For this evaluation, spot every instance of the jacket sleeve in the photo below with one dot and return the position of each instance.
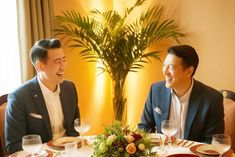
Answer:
(215, 120)
(15, 124)
(75, 111)
(147, 119)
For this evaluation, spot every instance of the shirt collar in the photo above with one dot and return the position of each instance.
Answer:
(187, 94)
(45, 90)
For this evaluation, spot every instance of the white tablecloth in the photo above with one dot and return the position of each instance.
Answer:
(87, 151)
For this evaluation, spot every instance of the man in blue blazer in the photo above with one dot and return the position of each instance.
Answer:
(197, 108)
(45, 105)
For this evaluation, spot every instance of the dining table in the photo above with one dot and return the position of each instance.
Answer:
(179, 146)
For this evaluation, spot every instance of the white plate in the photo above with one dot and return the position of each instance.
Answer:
(207, 150)
(154, 138)
(157, 138)
(60, 142)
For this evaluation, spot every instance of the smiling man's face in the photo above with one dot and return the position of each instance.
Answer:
(175, 74)
(52, 71)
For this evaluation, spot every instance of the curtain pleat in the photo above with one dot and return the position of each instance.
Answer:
(35, 22)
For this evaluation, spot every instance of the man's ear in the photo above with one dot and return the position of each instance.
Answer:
(190, 70)
(39, 66)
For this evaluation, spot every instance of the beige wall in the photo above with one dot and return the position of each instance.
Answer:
(209, 25)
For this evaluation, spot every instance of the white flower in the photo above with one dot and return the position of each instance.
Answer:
(130, 138)
(141, 146)
(113, 137)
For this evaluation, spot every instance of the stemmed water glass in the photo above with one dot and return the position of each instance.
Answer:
(221, 143)
(31, 144)
(169, 128)
(81, 126)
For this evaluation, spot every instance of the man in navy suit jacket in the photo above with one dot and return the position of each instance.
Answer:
(197, 108)
(45, 105)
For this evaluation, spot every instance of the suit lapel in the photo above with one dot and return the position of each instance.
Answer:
(165, 102)
(194, 103)
(163, 98)
(40, 104)
(65, 108)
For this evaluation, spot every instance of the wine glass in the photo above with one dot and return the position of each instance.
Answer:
(31, 144)
(81, 126)
(169, 128)
(221, 143)
(158, 140)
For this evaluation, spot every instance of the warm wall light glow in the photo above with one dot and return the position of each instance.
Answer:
(102, 99)
(131, 89)
(117, 5)
(97, 4)
(100, 86)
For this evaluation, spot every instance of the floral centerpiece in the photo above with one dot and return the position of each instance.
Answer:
(121, 141)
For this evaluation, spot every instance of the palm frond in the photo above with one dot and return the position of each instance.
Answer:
(109, 38)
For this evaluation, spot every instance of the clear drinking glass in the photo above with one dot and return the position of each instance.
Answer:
(71, 148)
(221, 143)
(31, 144)
(169, 128)
(81, 126)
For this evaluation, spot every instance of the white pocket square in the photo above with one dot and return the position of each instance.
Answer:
(36, 115)
(158, 110)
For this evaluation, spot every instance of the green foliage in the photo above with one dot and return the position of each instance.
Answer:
(120, 141)
(110, 38)
(116, 42)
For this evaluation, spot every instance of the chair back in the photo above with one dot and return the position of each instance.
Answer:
(3, 104)
(229, 117)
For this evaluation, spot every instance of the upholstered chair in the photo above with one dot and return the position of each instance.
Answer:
(3, 104)
(229, 111)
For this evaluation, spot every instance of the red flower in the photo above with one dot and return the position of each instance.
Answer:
(137, 137)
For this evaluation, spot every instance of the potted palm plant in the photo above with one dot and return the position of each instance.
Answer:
(116, 42)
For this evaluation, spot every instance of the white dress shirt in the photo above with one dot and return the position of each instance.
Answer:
(179, 108)
(53, 104)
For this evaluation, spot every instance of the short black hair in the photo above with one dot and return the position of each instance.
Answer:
(187, 53)
(39, 49)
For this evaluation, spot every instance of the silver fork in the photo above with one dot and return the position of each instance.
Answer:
(190, 144)
(55, 153)
(180, 142)
(184, 143)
